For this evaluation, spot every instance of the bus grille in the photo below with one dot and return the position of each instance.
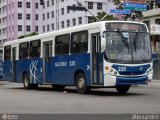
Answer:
(131, 81)
(131, 73)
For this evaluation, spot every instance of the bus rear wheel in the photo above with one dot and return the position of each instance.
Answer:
(81, 84)
(26, 81)
(123, 89)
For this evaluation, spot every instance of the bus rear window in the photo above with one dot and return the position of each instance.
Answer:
(7, 53)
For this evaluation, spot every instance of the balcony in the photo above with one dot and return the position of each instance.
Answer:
(151, 13)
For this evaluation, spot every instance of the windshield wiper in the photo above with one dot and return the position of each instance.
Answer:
(135, 40)
(124, 39)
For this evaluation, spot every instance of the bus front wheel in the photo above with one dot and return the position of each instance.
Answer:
(81, 84)
(123, 89)
(26, 81)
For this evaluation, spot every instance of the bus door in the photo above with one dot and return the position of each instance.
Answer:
(14, 64)
(96, 60)
(47, 56)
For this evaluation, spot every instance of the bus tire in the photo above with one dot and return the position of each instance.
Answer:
(58, 87)
(123, 89)
(81, 84)
(26, 81)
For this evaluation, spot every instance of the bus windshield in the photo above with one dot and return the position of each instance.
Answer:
(127, 47)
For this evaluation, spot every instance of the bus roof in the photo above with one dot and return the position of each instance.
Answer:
(66, 30)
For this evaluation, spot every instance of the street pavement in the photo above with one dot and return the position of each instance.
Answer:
(14, 99)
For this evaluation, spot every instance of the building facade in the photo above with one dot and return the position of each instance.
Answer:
(152, 18)
(21, 17)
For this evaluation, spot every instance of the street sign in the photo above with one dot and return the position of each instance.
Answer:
(134, 6)
(120, 11)
(155, 29)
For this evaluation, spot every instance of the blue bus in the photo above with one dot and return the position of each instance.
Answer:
(101, 54)
(1, 66)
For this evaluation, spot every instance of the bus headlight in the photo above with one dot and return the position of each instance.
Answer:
(149, 71)
(113, 72)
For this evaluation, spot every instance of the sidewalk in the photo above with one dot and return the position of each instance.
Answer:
(155, 81)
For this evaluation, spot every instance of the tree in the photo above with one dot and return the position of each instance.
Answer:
(100, 15)
(29, 35)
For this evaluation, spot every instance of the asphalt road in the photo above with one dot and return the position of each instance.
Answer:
(44, 100)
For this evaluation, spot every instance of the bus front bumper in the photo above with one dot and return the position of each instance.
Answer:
(110, 80)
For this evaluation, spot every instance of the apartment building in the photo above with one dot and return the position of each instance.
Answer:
(152, 18)
(21, 17)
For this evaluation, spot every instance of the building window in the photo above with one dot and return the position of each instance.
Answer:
(99, 6)
(36, 16)
(68, 11)
(80, 20)
(48, 28)
(19, 16)
(19, 27)
(79, 42)
(43, 28)
(48, 15)
(52, 2)
(28, 28)
(48, 3)
(68, 23)
(62, 44)
(74, 21)
(62, 11)
(52, 14)
(52, 26)
(36, 5)
(90, 5)
(62, 24)
(157, 21)
(28, 16)
(43, 5)
(28, 4)
(90, 19)
(43, 16)
(36, 28)
(19, 4)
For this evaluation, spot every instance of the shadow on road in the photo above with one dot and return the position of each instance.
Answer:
(93, 92)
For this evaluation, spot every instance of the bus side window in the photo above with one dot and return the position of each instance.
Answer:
(35, 49)
(79, 42)
(62, 44)
(7, 53)
(24, 50)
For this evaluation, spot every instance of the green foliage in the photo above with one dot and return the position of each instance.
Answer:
(29, 35)
(100, 15)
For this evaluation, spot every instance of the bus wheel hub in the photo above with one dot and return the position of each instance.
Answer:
(81, 83)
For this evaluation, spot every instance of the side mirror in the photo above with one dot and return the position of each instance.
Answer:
(103, 44)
